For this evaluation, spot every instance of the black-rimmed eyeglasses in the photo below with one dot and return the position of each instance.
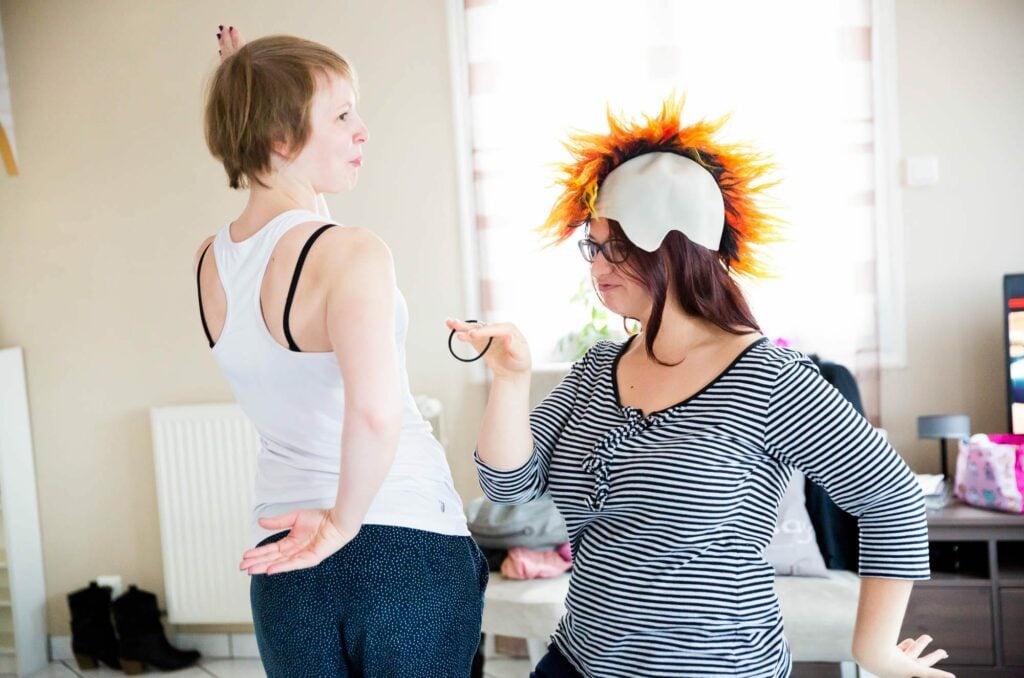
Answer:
(615, 250)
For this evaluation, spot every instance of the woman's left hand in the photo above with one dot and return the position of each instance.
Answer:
(312, 537)
(229, 41)
(905, 661)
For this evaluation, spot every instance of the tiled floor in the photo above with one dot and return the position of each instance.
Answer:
(250, 668)
(507, 668)
(218, 668)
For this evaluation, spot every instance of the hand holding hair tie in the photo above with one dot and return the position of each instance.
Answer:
(480, 353)
(510, 356)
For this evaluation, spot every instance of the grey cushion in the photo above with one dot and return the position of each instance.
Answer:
(794, 548)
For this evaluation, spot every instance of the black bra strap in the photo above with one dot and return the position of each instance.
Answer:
(295, 283)
(202, 315)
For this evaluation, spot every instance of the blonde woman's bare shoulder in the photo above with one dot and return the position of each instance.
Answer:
(354, 251)
(357, 241)
(199, 252)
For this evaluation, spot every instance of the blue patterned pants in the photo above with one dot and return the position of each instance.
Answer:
(394, 602)
(555, 665)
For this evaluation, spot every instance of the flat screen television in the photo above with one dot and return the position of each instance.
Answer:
(1013, 299)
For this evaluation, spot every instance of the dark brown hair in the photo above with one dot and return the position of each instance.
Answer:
(261, 95)
(699, 279)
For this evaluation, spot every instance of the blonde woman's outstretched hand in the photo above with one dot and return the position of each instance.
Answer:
(313, 536)
(509, 355)
(229, 41)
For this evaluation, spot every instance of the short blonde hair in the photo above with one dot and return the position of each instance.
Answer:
(262, 94)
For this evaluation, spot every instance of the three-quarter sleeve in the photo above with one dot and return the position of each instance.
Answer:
(547, 420)
(810, 426)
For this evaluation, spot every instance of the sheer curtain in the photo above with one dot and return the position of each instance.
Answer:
(7, 149)
(796, 77)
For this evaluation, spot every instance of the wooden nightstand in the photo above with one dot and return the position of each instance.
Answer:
(974, 604)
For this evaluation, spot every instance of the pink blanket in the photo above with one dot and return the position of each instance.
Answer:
(522, 563)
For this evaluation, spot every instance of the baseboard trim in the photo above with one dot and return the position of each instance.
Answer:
(212, 645)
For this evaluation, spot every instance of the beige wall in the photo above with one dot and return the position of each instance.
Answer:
(117, 190)
(960, 98)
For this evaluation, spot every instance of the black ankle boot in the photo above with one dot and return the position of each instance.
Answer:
(92, 634)
(142, 639)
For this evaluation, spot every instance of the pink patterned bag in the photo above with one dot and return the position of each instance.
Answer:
(990, 472)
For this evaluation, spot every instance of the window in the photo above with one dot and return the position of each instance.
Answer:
(798, 79)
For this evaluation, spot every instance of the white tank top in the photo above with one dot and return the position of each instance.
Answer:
(297, 403)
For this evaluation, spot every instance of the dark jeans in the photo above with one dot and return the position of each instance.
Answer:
(394, 602)
(554, 665)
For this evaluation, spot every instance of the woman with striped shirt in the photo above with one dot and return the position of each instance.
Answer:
(668, 454)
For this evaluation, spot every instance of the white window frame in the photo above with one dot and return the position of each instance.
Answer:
(459, 66)
(889, 240)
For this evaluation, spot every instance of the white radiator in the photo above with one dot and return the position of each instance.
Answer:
(205, 470)
(205, 465)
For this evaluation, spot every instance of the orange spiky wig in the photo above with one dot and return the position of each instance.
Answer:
(740, 172)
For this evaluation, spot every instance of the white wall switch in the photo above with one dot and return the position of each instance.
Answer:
(922, 170)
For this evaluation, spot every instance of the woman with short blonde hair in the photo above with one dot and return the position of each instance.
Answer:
(362, 564)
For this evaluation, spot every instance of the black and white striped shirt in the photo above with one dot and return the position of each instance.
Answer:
(669, 515)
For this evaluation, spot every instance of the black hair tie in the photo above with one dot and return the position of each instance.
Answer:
(451, 349)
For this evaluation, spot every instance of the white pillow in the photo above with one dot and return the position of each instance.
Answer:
(794, 548)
